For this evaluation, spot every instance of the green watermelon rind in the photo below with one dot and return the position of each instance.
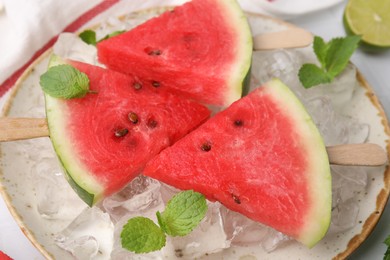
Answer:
(88, 189)
(240, 75)
(317, 221)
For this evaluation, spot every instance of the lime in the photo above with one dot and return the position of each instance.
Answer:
(369, 19)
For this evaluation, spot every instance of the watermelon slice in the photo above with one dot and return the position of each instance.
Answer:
(263, 157)
(104, 140)
(201, 49)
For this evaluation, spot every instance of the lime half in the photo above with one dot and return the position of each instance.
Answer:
(369, 19)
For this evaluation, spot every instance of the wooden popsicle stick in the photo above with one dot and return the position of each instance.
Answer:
(367, 154)
(292, 37)
(12, 129)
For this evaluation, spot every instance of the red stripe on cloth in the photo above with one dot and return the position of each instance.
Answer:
(74, 26)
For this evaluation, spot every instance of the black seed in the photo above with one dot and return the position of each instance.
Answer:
(236, 199)
(155, 52)
(238, 123)
(206, 147)
(133, 117)
(155, 84)
(121, 132)
(152, 123)
(137, 85)
(179, 253)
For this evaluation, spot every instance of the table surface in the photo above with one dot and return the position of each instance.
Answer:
(374, 67)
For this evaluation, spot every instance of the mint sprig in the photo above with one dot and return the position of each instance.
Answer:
(89, 36)
(387, 253)
(64, 81)
(333, 57)
(182, 214)
(142, 235)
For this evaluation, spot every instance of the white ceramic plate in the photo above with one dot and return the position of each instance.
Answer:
(19, 189)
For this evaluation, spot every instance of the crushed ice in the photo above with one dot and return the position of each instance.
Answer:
(89, 236)
(145, 196)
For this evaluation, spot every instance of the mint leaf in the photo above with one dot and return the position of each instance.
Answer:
(88, 36)
(161, 221)
(387, 241)
(310, 75)
(64, 81)
(108, 36)
(339, 52)
(142, 235)
(387, 253)
(320, 48)
(183, 213)
(333, 57)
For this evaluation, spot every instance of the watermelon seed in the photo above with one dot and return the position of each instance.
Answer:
(152, 123)
(155, 84)
(206, 147)
(238, 123)
(133, 117)
(236, 199)
(121, 132)
(137, 85)
(154, 53)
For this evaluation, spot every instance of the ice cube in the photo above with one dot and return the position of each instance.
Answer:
(344, 216)
(70, 46)
(273, 240)
(49, 191)
(335, 128)
(167, 192)
(89, 236)
(282, 64)
(54, 197)
(140, 195)
(347, 184)
(357, 132)
(240, 230)
(322, 113)
(84, 247)
(348, 181)
(243, 231)
(207, 238)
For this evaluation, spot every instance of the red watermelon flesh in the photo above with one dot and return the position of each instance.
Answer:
(4, 256)
(262, 157)
(104, 140)
(201, 49)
